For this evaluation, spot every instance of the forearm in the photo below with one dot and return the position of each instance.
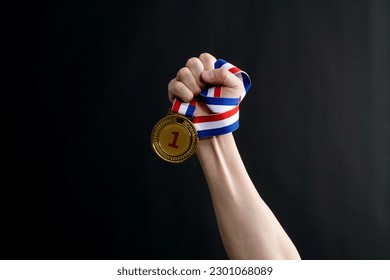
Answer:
(249, 230)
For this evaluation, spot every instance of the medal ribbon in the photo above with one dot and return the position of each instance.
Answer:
(225, 117)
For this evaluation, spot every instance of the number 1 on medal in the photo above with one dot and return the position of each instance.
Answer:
(175, 136)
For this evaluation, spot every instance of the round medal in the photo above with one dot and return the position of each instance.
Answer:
(174, 138)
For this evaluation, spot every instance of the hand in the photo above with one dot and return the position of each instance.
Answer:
(199, 74)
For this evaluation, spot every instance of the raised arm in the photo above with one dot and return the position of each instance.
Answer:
(248, 228)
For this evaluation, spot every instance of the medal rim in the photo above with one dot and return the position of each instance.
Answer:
(169, 120)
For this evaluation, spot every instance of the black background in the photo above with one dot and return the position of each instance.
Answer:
(89, 81)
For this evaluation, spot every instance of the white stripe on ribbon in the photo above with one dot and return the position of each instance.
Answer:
(217, 124)
(183, 108)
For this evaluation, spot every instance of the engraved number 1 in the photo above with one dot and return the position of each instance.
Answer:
(175, 136)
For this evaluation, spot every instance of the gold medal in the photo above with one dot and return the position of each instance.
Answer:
(174, 138)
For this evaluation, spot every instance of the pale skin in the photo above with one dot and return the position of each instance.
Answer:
(248, 228)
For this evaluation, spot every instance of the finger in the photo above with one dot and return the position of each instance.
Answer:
(176, 89)
(196, 67)
(208, 61)
(185, 76)
(221, 77)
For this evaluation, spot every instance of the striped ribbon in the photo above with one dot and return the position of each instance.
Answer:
(225, 117)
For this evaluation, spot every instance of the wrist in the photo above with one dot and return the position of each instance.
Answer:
(216, 149)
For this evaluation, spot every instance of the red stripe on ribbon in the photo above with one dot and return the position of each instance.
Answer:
(234, 70)
(216, 117)
(176, 106)
(217, 91)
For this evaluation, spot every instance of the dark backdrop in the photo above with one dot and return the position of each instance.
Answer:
(80, 180)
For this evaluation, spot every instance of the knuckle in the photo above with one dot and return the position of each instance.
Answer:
(207, 60)
(205, 56)
(176, 87)
(183, 73)
(192, 62)
(224, 74)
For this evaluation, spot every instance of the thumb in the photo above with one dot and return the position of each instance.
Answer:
(221, 77)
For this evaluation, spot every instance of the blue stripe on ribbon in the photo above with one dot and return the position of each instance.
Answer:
(219, 63)
(190, 111)
(246, 81)
(220, 100)
(218, 131)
